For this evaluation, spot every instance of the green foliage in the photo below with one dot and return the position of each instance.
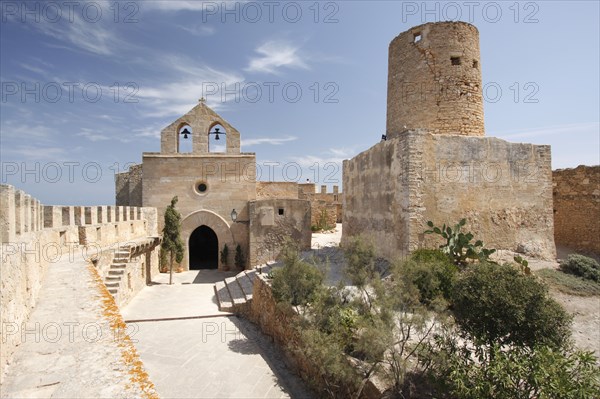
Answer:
(458, 245)
(581, 266)
(464, 372)
(172, 243)
(431, 272)
(568, 283)
(360, 258)
(239, 260)
(322, 223)
(496, 304)
(225, 255)
(297, 282)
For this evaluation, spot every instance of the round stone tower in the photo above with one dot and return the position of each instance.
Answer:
(434, 80)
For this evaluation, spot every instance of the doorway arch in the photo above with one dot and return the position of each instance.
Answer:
(204, 249)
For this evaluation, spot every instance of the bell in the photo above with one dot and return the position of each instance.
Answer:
(217, 133)
(185, 133)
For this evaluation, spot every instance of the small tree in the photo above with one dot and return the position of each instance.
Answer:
(239, 258)
(172, 243)
(225, 255)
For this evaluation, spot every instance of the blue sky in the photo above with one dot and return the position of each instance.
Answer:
(87, 87)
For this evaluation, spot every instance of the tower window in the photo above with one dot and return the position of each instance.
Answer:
(281, 211)
(475, 64)
(417, 37)
(455, 60)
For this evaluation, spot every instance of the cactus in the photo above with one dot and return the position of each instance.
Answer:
(458, 245)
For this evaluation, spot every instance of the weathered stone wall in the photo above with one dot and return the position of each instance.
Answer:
(322, 201)
(434, 80)
(577, 208)
(35, 236)
(270, 190)
(274, 221)
(128, 187)
(503, 189)
(376, 198)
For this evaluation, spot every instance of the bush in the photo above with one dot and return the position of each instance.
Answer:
(568, 283)
(360, 258)
(515, 372)
(496, 304)
(239, 260)
(432, 272)
(297, 282)
(581, 266)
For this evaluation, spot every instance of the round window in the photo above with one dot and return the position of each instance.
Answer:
(202, 187)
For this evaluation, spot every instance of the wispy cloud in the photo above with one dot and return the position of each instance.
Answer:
(332, 155)
(180, 5)
(586, 127)
(37, 153)
(267, 140)
(92, 136)
(276, 54)
(199, 30)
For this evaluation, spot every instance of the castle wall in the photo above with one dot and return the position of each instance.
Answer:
(324, 205)
(272, 222)
(503, 189)
(577, 208)
(35, 236)
(434, 80)
(128, 187)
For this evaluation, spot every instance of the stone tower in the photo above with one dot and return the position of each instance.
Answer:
(434, 80)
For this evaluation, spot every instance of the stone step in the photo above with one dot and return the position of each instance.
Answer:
(223, 298)
(112, 278)
(116, 272)
(121, 259)
(245, 284)
(118, 266)
(235, 291)
(111, 284)
(113, 291)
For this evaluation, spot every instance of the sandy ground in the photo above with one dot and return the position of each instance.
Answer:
(585, 310)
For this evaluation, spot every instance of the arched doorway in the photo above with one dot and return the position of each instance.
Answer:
(203, 249)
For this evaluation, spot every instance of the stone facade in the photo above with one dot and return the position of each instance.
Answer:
(434, 80)
(577, 208)
(209, 186)
(35, 236)
(272, 222)
(503, 189)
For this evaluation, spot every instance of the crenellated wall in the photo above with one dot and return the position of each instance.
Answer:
(35, 236)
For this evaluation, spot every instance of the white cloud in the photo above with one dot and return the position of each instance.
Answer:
(267, 140)
(276, 54)
(180, 5)
(37, 153)
(199, 30)
(90, 135)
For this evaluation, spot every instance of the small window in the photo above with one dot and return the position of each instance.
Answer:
(281, 212)
(417, 37)
(202, 187)
(475, 64)
(455, 60)
(63, 237)
(98, 233)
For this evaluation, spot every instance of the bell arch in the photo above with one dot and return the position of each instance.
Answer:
(220, 227)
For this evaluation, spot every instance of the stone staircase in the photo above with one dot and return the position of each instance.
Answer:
(117, 270)
(236, 291)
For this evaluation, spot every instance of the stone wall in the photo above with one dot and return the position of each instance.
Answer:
(577, 208)
(35, 236)
(271, 190)
(503, 189)
(434, 80)
(274, 221)
(128, 187)
(330, 203)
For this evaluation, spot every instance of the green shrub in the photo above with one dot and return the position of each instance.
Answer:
(360, 261)
(297, 282)
(496, 304)
(581, 266)
(516, 372)
(432, 272)
(568, 283)
(225, 254)
(239, 260)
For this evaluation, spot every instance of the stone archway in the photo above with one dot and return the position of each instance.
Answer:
(212, 221)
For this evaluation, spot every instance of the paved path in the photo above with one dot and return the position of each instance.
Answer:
(205, 353)
(69, 350)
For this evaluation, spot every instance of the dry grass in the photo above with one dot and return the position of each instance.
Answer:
(568, 283)
(137, 375)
